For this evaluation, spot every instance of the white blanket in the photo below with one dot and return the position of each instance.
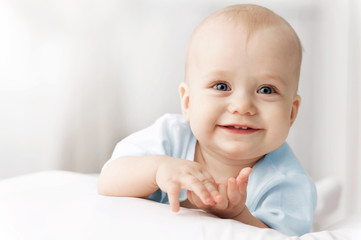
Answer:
(65, 205)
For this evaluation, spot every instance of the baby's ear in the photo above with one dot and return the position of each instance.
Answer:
(184, 97)
(295, 106)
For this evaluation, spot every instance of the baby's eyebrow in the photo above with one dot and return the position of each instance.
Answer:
(226, 74)
(218, 73)
(273, 77)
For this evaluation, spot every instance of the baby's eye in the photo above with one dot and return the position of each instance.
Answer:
(222, 87)
(266, 90)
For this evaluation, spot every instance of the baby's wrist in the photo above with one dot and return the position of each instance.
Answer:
(242, 214)
(246, 217)
(158, 161)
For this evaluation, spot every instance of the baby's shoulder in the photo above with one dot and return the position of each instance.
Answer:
(173, 122)
(172, 118)
(176, 136)
(283, 161)
(279, 166)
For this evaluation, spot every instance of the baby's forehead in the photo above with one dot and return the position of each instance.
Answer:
(245, 17)
(241, 20)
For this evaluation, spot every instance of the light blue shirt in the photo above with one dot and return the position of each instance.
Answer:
(279, 191)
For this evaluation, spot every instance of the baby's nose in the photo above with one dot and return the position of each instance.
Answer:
(242, 104)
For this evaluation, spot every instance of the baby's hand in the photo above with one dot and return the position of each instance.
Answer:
(234, 194)
(175, 174)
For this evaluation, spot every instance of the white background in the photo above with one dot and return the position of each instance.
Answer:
(76, 76)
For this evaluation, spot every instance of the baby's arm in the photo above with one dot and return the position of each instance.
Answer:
(233, 205)
(141, 176)
(129, 177)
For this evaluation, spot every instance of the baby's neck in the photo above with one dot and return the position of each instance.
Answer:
(218, 166)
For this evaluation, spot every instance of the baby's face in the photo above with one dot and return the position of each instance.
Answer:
(241, 95)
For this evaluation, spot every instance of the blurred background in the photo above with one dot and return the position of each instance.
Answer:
(76, 76)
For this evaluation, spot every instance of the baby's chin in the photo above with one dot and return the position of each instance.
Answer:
(242, 155)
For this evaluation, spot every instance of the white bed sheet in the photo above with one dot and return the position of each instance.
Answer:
(65, 205)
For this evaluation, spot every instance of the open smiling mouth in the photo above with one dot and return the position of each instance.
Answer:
(239, 129)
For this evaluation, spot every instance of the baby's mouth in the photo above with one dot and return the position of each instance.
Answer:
(240, 129)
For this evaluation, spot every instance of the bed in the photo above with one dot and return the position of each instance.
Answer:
(65, 205)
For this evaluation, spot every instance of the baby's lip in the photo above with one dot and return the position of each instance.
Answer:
(240, 126)
(241, 129)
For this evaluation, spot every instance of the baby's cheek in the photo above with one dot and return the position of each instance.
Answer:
(276, 137)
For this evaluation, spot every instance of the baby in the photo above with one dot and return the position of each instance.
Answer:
(227, 153)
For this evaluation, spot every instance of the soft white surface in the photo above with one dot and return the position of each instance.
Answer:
(328, 201)
(65, 205)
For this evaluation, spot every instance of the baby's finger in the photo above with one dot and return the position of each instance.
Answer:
(211, 185)
(173, 197)
(215, 193)
(196, 201)
(201, 189)
(242, 179)
(232, 191)
(223, 204)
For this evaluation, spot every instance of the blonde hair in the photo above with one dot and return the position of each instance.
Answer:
(253, 18)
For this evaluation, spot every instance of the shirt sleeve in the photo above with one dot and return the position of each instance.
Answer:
(283, 196)
(288, 206)
(170, 135)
